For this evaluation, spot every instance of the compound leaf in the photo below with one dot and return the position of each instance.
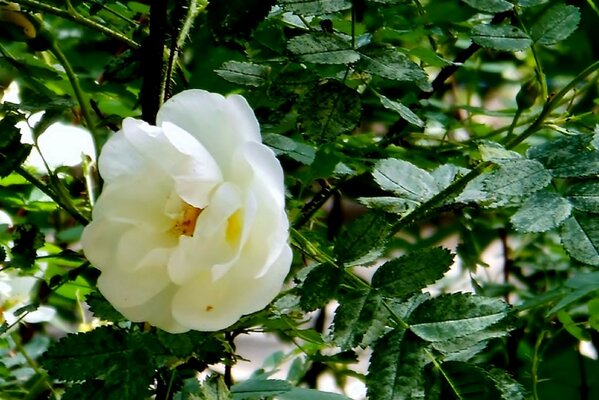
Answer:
(518, 177)
(404, 179)
(556, 24)
(541, 212)
(580, 237)
(501, 37)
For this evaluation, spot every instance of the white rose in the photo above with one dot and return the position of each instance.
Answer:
(190, 231)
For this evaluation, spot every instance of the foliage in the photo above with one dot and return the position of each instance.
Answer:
(416, 137)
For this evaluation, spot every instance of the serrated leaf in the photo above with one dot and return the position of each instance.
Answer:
(541, 212)
(280, 144)
(518, 178)
(359, 319)
(402, 110)
(584, 196)
(12, 152)
(299, 393)
(453, 316)
(363, 239)
(556, 24)
(412, 272)
(510, 388)
(464, 348)
(404, 179)
(394, 65)
(572, 156)
(319, 287)
(314, 7)
(27, 239)
(580, 237)
(102, 309)
(392, 205)
(322, 48)
(470, 382)
(214, 388)
(501, 37)
(259, 388)
(396, 367)
(491, 6)
(329, 110)
(204, 346)
(445, 174)
(243, 73)
(495, 152)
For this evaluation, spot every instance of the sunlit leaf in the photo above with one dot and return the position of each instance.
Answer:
(404, 179)
(501, 37)
(543, 211)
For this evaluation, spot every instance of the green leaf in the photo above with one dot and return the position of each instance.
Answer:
(243, 73)
(404, 179)
(580, 237)
(396, 367)
(280, 144)
(580, 285)
(236, 19)
(543, 211)
(319, 287)
(214, 388)
(456, 315)
(584, 196)
(299, 393)
(556, 24)
(402, 110)
(392, 205)
(394, 65)
(203, 345)
(322, 48)
(27, 239)
(491, 6)
(518, 178)
(102, 309)
(572, 156)
(510, 388)
(470, 382)
(12, 152)
(259, 388)
(89, 390)
(572, 327)
(412, 272)
(314, 7)
(501, 37)
(359, 320)
(363, 239)
(329, 110)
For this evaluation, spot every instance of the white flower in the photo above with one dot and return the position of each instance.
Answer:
(190, 231)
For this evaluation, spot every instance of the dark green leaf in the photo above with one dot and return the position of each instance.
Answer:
(491, 6)
(580, 237)
(204, 346)
(543, 211)
(501, 37)
(556, 24)
(518, 177)
(102, 309)
(572, 156)
(402, 110)
(412, 272)
(362, 240)
(394, 65)
(259, 388)
(243, 73)
(510, 388)
(27, 239)
(456, 315)
(469, 382)
(359, 320)
(320, 286)
(329, 110)
(314, 7)
(322, 48)
(396, 367)
(12, 151)
(299, 393)
(584, 196)
(236, 19)
(404, 179)
(214, 388)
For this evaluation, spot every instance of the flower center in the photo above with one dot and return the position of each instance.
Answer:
(186, 223)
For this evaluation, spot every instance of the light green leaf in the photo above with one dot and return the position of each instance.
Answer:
(518, 178)
(362, 240)
(412, 272)
(359, 320)
(580, 237)
(510, 388)
(394, 65)
(322, 48)
(572, 327)
(501, 37)
(404, 179)
(572, 156)
(243, 73)
(445, 174)
(298, 151)
(314, 7)
(298, 393)
(491, 6)
(454, 316)
(393, 205)
(556, 24)
(584, 196)
(396, 367)
(541, 212)
(402, 110)
(259, 388)
(493, 151)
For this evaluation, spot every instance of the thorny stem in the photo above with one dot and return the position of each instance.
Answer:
(73, 15)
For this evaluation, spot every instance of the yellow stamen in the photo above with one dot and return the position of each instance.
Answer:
(186, 225)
